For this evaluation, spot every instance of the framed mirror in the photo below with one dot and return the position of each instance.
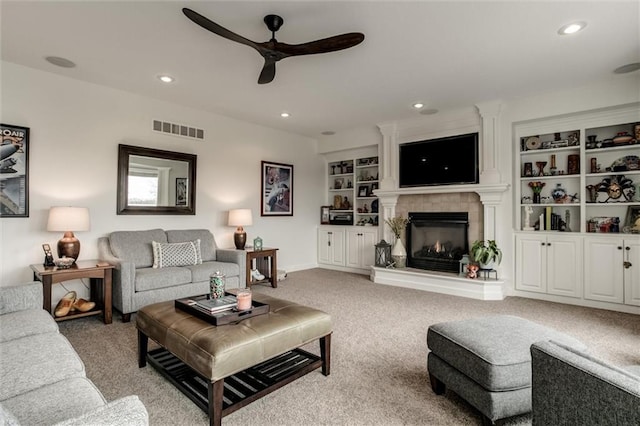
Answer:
(153, 181)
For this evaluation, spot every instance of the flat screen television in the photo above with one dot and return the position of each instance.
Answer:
(452, 160)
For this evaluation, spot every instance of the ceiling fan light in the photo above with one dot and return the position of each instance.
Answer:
(572, 28)
(285, 115)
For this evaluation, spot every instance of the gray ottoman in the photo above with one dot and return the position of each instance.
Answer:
(487, 361)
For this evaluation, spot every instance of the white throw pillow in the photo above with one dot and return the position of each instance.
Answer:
(176, 254)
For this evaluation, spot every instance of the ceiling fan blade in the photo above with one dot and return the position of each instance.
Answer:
(217, 29)
(268, 72)
(331, 44)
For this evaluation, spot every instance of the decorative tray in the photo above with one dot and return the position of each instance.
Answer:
(220, 318)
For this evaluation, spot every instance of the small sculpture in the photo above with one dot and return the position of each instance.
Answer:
(472, 270)
(527, 219)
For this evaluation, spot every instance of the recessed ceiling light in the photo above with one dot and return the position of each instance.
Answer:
(418, 105)
(60, 62)
(572, 28)
(285, 115)
(429, 111)
(328, 133)
(166, 78)
(627, 68)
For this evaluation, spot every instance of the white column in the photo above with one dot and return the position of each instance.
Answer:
(388, 204)
(389, 160)
(490, 113)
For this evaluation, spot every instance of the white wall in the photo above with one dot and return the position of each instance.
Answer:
(75, 131)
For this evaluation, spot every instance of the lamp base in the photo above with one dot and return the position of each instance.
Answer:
(240, 239)
(69, 246)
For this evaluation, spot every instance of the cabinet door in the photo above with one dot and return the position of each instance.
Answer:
(331, 247)
(632, 273)
(531, 264)
(564, 266)
(353, 248)
(368, 250)
(603, 270)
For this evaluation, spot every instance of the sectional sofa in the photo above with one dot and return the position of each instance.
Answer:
(42, 378)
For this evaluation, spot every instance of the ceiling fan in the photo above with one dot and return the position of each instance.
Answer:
(272, 51)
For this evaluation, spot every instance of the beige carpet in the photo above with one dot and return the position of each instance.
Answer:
(378, 371)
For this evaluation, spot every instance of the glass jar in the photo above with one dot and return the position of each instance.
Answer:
(216, 285)
(244, 299)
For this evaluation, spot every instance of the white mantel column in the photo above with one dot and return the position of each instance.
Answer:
(389, 155)
(490, 113)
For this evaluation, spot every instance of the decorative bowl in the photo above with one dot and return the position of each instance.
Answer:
(64, 262)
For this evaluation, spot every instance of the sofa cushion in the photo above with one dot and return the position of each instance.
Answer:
(55, 402)
(135, 246)
(176, 254)
(207, 242)
(26, 323)
(50, 358)
(152, 279)
(204, 271)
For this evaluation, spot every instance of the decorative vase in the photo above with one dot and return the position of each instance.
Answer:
(559, 193)
(536, 198)
(399, 254)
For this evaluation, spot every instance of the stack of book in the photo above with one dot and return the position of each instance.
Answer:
(549, 221)
(213, 306)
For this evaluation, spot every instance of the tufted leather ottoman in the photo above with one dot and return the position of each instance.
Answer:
(219, 353)
(487, 361)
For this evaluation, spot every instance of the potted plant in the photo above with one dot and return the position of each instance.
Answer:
(486, 253)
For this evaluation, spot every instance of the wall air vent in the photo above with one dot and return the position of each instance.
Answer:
(178, 130)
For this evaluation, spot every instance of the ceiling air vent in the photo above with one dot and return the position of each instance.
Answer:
(178, 130)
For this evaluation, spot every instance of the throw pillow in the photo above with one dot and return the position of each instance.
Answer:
(176, 254)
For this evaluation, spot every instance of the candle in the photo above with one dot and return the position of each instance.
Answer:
(244, 299)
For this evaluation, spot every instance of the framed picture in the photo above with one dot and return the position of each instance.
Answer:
(14, 171)
(276, 190)
(181, 191)
(632, 221)
(324, 215)
(363, 191)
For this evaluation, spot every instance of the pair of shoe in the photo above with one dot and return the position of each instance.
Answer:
(70, 303)
(256, 275)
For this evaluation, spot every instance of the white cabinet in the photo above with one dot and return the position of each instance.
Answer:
(331, 246)
(549, 264)
(361, 243)
(613, 269)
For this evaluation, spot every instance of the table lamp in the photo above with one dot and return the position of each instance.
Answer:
(67, 220)
(240, 218)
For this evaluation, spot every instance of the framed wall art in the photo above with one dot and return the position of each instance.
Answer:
(325, 213)
(276, 194)
(181, 191)
(14, 171)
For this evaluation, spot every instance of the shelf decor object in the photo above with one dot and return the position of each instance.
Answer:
(68, 220)
(536, 187)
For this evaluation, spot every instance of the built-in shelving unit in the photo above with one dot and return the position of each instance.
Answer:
(350, 194)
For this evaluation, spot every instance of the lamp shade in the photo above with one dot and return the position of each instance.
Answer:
(65, 219)
(240, 217)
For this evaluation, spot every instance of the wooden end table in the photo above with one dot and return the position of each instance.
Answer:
(266, 263)
(100, 279)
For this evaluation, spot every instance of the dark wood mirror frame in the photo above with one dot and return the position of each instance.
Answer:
(124, 154)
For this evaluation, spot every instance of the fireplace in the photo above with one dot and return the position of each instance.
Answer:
(437, 241)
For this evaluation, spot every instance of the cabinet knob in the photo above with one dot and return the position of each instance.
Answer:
(627, 265)
(548, 244)
(542, 244)
(619, 247)
(627, 248)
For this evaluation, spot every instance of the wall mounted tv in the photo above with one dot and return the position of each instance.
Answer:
(445, 161)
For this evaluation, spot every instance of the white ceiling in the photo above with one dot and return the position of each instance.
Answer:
(445, 54)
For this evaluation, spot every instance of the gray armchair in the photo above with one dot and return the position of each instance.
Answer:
(570, 387)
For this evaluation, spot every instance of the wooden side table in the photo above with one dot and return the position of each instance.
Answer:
(100, 279)
(266, 263)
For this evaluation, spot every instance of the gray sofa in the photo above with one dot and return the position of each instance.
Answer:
(42, 379)
(571, 387)
(137, 283)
